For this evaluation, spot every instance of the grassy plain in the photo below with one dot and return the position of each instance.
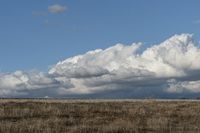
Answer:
(101, 116)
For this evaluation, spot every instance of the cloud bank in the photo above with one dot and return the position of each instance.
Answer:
(171, 67)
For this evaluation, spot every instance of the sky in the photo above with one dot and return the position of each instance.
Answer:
(38, 39)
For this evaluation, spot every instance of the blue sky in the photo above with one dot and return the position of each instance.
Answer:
(44, 48)
(32, 40)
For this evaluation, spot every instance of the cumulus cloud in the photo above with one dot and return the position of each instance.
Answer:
(185, 86)
(175, 57)
(19, 82)
(170, 67)
(121, 64)
(56, 9)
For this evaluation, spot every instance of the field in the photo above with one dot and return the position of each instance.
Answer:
(103, 116)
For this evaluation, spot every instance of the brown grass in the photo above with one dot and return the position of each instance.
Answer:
(87, 116)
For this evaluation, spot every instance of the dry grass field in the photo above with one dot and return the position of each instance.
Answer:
(101, 116)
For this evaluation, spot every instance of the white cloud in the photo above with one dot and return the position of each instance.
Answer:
(20, 82)
(185, 86)
(174, 58)
(57, 8)
(120, 67)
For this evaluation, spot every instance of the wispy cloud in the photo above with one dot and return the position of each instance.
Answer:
(196, 21)
(57, 8)
(39, 13)
(53, 9)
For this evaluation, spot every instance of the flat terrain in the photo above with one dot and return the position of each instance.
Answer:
(86, 116)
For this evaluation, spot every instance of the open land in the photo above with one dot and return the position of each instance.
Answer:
(103, 116)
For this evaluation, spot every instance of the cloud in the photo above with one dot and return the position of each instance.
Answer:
(176, 57)
(196, 21)
(171, 67)
(39, 13)
(57, 9)
(20, 83)
(54, 9)
(185, 86)
(100, 70)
